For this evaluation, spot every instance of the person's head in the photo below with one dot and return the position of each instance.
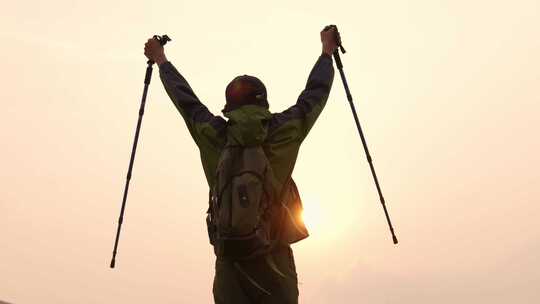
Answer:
(244, 90)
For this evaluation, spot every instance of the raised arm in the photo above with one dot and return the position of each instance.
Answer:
(312, 100)
(202, 124)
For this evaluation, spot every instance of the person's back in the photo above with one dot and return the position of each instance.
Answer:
(272, 278)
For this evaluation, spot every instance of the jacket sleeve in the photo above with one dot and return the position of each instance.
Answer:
(203, 126)
(311, 101)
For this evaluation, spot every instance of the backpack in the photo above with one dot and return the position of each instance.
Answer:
(242, 204)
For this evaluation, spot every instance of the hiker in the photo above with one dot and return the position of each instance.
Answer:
(254, 209)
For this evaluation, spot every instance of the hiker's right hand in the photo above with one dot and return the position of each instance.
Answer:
(328, 38)
(154, 51)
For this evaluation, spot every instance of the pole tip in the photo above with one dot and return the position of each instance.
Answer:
(113, 263)
(395, 239)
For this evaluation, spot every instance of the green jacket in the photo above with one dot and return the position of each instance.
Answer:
(279, 133)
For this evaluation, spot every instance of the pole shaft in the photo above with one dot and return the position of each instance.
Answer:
(147, 79)
(364, 143)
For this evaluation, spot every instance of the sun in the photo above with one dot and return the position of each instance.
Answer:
(312, 215)
(325, 221)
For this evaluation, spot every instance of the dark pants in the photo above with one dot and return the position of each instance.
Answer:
(257, 281)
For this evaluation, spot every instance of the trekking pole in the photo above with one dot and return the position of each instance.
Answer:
(162, 40)
(349, 97)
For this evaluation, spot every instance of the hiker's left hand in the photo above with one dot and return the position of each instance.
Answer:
(154, 51)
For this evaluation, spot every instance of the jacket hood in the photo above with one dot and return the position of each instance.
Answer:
(247, 125)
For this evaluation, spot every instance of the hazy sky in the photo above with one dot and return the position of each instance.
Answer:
(448, 93)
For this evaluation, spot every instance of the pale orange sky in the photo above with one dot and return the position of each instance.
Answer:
(447, 91)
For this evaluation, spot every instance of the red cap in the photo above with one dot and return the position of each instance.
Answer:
(244, 90)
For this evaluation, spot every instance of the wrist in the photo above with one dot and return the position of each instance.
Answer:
(327, 53)
(161, 59)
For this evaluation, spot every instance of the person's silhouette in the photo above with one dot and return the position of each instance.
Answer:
(257, 280)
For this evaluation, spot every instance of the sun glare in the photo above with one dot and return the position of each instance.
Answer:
(325, 221)
(312, 214)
